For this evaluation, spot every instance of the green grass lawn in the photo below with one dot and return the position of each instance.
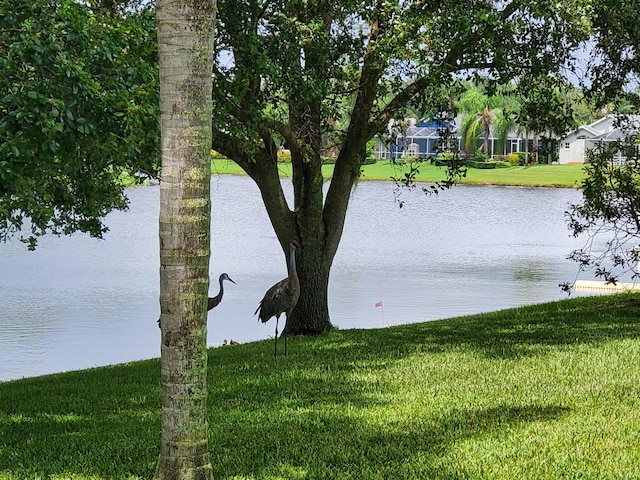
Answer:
(541, 392)
(534, 176)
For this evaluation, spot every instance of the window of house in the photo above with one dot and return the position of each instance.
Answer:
(567, 146)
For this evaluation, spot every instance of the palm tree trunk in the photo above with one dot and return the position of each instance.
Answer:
(185, 41)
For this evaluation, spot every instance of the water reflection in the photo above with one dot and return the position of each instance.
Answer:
(76, 302)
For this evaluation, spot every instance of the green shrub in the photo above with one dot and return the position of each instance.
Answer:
(481, 165)
(284, 156)
(446, 162)
(480, 156)
(512, 158)
(371, 146)
(523, 158)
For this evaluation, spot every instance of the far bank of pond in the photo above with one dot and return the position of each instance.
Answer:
(564, 176)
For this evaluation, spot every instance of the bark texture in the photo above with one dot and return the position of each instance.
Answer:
(185, 40)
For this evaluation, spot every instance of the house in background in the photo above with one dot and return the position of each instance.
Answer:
(575, 145)
(421, 140)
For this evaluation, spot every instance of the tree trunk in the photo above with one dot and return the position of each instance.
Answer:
(185, 41)
(304, 223)
(311, 315)
(315, 220)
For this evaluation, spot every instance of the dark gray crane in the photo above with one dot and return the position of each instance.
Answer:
(281, 297)
(214, 301)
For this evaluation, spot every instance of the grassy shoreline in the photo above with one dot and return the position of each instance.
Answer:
(539, 392)
(564, 176)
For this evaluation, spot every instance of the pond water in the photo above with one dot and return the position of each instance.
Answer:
(78, 302)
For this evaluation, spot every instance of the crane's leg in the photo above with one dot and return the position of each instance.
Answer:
(275, 350)
(284, 332)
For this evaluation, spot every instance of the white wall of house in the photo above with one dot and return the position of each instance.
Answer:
(572, 149)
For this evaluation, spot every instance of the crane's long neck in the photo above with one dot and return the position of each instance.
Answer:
(292, 262)
(220, 280)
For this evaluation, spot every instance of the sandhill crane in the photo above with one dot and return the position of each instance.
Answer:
(214, 301)
(281, 297)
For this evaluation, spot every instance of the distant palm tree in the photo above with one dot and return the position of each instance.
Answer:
(484, 115)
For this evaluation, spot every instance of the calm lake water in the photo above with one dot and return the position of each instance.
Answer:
(77, 302)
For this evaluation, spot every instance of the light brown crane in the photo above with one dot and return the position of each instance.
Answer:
(281, 297)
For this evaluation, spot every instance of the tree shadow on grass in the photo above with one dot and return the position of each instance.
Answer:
(335, 445)
(324, 375)
(110, 429)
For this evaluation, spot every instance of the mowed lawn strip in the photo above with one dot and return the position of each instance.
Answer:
(566, 176)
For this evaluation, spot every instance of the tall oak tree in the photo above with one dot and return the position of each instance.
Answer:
(291, 73)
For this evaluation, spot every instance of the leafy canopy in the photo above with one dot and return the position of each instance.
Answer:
(614, 63)
(79, 92)
(367, 61)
